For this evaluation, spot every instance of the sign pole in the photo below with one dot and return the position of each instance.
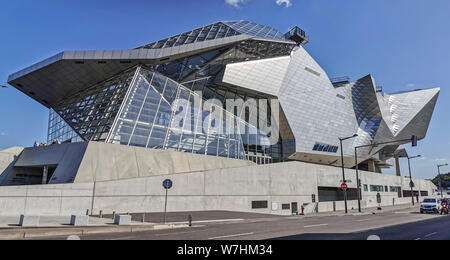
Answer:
(165, 207)
(167, 184)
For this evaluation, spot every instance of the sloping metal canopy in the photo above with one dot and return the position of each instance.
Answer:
(67, 73)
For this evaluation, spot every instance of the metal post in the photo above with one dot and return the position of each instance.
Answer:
(343, 176)
(190, 220)
(411, 181)
(440, 180)
(358, 183)
(165, 208)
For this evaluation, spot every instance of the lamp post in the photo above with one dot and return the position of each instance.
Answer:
(440, 178)
(411, 183)
(343, 168)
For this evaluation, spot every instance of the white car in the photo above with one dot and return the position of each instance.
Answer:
(431, 205)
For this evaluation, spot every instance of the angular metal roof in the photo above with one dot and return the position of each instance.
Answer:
(219, 30)
(257, 30)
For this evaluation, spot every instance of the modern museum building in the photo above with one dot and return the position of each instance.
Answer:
(238, 115)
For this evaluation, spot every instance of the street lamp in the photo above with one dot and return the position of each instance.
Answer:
(357, 172)
(411, 183)
(440, 178)
(343, 168)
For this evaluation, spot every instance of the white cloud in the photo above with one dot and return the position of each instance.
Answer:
(238, 3)
(411, 85)
(440, 160)
(288, 3)
(234, 3)
(3, 134)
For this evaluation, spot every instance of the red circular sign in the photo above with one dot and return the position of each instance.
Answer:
(344, 186)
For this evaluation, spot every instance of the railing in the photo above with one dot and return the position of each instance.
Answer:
(344, 79)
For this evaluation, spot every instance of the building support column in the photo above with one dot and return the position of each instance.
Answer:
(397, 166)
(372, 167)
(45, 175)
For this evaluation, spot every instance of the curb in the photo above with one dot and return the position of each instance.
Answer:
(36, 233)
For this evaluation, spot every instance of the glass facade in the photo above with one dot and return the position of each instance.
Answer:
(257, 30)
(159, 113)
(91, 112)
(58, 129)
(210, 32)
(140, 107)
(217, 31)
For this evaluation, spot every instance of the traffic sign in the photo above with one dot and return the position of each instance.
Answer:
(344, 186)
(414, 140)
(167, 184)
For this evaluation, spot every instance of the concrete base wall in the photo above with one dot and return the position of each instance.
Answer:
(221, 189)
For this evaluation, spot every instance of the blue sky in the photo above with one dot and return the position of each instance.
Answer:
(402, 43)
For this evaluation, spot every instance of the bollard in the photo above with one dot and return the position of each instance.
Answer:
(114, 215)
(87, 212)
(101, 213)
(190, 220)
(143, 218)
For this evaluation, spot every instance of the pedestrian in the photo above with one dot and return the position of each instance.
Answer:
(36, 144)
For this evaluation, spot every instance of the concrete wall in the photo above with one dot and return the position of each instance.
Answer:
(105, 162)
(220, 189)
(8, 158)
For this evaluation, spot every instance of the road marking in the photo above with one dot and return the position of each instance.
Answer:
(432, 234)
(177, 233)
(318, 225)
(210, 221)
(362, 220)
(237, 235)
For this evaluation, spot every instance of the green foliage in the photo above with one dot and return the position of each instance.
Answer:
(445, 180)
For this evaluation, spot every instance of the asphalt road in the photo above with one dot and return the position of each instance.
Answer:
(433, 229)
(347, 227)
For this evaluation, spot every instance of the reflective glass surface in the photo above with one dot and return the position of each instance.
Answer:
(91, 112)
(162, 114)
(58, 129)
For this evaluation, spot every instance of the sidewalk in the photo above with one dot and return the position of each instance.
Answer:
(369, 211)
(60, 226)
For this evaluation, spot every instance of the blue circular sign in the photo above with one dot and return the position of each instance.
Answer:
(167, 184)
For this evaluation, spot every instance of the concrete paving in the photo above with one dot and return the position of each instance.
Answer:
(55, 221)
(197, 216)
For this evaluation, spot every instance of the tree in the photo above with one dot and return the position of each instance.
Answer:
(445, 180)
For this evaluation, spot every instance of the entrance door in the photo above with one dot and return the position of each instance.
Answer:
(294, 208)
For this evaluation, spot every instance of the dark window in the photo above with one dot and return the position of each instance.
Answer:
(260, 204)
(366, 188)
(286, 206)
(316, 147)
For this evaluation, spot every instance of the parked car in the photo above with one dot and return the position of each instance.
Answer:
(431, 206)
